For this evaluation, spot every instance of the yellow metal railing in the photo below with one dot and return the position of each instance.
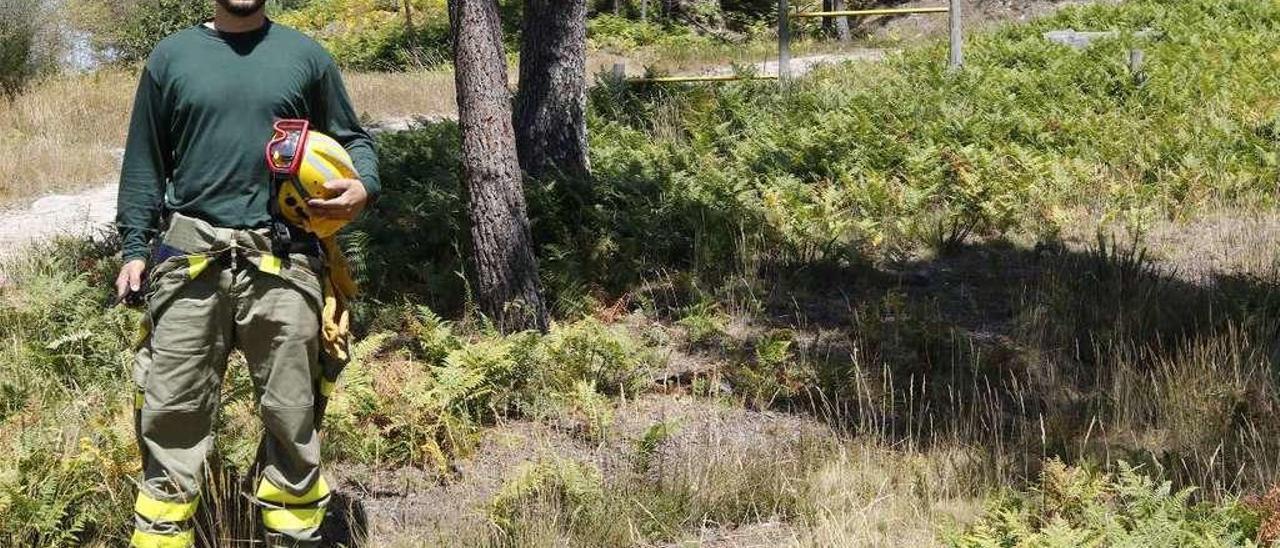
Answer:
(785, 15)
(719, 78)
(871, 12)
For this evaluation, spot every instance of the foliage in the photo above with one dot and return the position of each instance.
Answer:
(25, 49)
(65, 425)
(1074, 506)
(373, 34)
(132, 28)
(376, 35)
(425, 404)
(853, 161)
(413, 241)
(613, 33)
(571, 486)
(882, 161)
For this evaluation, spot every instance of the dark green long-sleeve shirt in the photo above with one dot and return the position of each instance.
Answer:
(203, 115)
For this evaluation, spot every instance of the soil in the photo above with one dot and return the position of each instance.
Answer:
(411, 504)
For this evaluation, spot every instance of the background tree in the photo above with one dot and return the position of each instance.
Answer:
(551, 123)
(835, 26)
(29, 45)
(506, 270)
(132, 28)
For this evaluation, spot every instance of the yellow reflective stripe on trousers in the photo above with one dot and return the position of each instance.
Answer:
(327, 386)
(142, 539)
(196, 264)
(270, 493)
(292, 519)
(270, 264)
(158, 510)
(138, 399)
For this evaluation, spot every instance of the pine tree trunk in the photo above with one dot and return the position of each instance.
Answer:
(828, 24)
(551, 122)
(841, 22)
(506, 270)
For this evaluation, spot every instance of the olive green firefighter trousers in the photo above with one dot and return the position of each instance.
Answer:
(212, 290)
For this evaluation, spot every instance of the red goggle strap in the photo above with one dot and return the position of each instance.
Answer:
(286, 130)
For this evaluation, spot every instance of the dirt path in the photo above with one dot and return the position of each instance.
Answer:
(409, 507)
(82, 214)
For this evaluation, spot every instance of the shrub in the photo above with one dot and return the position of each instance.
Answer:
(424, 405)
(413, 241)
(620, 34)
(26, 47)
(550, 495)
(374, 35)
(1074, 506)
(65, 422)
(132, 28)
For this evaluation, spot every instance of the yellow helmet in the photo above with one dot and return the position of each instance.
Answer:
(322, 160)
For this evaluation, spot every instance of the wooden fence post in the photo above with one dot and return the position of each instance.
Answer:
(1137, 58)
(956, 60)
(784, 42)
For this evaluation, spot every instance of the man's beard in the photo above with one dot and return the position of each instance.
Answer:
(240, 8)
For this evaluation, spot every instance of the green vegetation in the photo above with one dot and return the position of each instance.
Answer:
(133, 28)
(65, 421)
(377, 35)
(555, 501)
(881, 263)
(372, 35)
(1078, 507)
(25, 48)
(761, 198)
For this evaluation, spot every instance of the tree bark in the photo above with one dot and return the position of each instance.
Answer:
(506, 270)
(841, 22)
(828, 24)
(551, 122)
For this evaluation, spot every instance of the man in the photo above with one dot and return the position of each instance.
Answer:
(195, 181)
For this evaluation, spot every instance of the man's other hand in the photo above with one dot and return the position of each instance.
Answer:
(346, 205)
(129, 282)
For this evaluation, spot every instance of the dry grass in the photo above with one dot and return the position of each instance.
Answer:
(874, 496)
(62, 134)
(68, 132)
(380, 96)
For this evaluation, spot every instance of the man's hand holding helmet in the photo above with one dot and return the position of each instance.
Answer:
(346, 205)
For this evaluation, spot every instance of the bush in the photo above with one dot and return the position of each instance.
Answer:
(66, 444)
(373, 35)
(1079, 507)
(412, 242)
(132, 28)
(26, 46)
(424, 404)
(620, 34)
